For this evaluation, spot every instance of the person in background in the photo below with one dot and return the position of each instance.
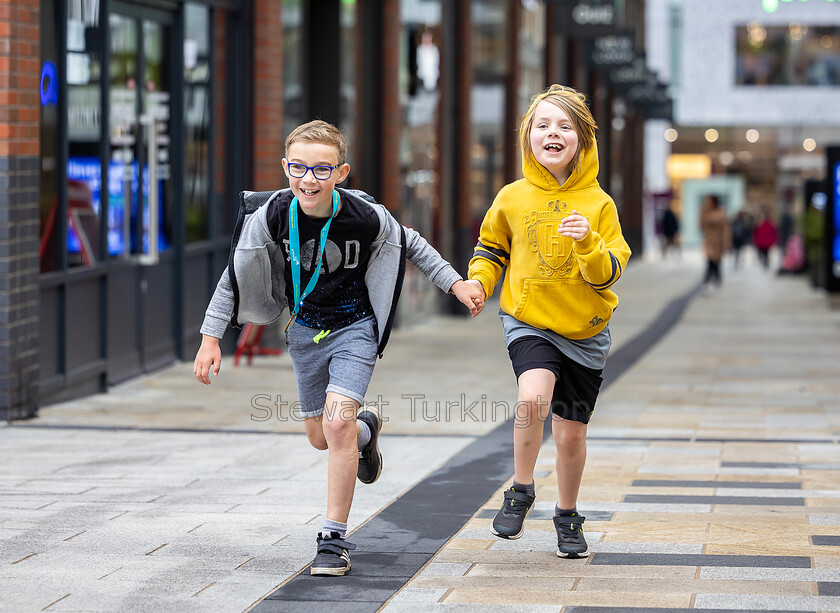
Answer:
(670, 230)
(741, 234)
(717, 237)
(764, 238)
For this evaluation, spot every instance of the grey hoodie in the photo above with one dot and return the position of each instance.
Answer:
(255, 291)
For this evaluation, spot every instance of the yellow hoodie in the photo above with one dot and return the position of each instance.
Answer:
(553, 282)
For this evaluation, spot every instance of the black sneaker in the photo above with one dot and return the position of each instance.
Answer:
(509, 521)
(332, 557)
(370, 459)
(570, 541)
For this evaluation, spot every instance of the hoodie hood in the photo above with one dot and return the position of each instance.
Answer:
(584, 177)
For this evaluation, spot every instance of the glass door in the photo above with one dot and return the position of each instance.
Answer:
(139, 186)
(141, 281)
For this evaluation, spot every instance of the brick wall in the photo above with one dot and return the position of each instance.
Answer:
(19, 223)
(391, 114)
(268, 94)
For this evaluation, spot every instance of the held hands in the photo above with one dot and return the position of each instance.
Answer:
(209, 357)
(471, 294)
(574, 226)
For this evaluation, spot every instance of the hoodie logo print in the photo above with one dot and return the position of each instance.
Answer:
(553, 250)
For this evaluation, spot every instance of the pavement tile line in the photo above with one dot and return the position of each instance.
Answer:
(396, 544)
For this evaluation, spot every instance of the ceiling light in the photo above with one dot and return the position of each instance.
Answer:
(712, 135)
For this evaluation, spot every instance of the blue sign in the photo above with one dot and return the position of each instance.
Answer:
(835, 248)
(49, 84)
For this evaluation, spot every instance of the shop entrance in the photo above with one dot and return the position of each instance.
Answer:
(142, 293)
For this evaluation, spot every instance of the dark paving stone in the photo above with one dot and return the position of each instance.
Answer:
(298, 606)
(825, 539)
(692, 559)
(750, 500)
(776, 485)
(828, 588)
(352, 588)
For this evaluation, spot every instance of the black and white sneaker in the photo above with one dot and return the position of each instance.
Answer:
(370, 459)
(570, 540)
(509, 522)
(332, 558)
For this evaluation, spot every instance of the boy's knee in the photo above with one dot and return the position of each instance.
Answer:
(339, 427)
(571, 434)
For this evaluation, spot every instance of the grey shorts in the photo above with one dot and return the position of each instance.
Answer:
(341, 362)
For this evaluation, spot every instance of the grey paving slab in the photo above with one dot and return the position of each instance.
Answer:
(767, 603)
(701, 560)
(751, 500)
(784, 485)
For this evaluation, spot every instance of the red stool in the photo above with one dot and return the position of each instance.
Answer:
(249, 344)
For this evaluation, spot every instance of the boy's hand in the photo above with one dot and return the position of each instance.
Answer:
(471, 295)
(574, 226)
(209, 357)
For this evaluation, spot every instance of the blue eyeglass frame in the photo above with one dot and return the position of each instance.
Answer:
(312, 168)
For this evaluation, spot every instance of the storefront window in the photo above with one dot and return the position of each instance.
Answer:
(488, 105)
(139, 176)
(196, 120)
(84, 120)
(531, 56)
(794, 55)
(420, 104)
(50, 243)
(419, 98)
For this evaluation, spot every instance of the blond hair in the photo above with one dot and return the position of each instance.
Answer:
(319, 132)
(571, 102)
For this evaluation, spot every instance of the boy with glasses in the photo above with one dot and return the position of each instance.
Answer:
(337, 260)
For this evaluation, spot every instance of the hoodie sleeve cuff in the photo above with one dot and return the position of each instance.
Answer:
(587, 243)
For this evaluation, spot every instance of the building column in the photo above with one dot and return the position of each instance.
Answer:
(20, 70)
(268, 137)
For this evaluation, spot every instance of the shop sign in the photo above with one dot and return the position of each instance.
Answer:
(771, 6)
(832, 220)
(49, 84)
(587, 18)
(613, 50)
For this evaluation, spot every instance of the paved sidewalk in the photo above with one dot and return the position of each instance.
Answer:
(712, 479)
(168, 495)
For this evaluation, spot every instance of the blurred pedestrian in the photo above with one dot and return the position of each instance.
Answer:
(559, 235)
(717, 237)
(348, 254)
(741, 234)
(670, 230)
(764, 238)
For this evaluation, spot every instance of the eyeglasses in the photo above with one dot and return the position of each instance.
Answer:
(322, 173)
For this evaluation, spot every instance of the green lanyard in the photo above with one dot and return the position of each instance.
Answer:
(294, 253)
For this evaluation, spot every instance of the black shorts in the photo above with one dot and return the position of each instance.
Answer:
(576, 387)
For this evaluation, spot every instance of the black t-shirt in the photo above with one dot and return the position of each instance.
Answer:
(340, 297)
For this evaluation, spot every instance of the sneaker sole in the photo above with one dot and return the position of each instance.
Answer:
(375, 411)
(329, 572)
(513, 537)
(572, 555)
